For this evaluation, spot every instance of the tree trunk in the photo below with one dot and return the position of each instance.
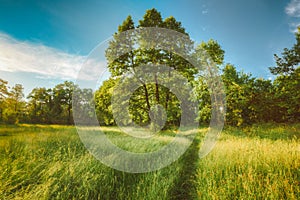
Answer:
(69, 115)
(156, 89)
(168, 90)
(147, 97)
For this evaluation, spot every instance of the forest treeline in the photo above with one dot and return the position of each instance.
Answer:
(248, 99)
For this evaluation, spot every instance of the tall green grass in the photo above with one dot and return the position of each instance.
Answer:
(46, 162)
(258, 162)
(50, 162)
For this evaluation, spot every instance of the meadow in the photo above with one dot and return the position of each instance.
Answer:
(50, 162)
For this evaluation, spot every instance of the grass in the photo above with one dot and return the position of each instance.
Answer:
(50, 162)
(261, 162)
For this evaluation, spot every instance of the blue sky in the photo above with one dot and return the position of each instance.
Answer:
(43, 43)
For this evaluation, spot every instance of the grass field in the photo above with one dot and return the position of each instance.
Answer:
(50, 162)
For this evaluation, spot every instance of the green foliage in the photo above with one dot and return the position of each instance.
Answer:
(3, 89)
(203, 95)
(152, 18)
(45, 106)
(238, 89)
(261, 101)
(51, 105)
(289, 60)
(83, 106)
(103, 102)
(213, 49)
(3, 96)
(40, 105)
(127, 25)
(148, 95)
(12, 104)
(287, 83)
(62, 97)
(287, 96)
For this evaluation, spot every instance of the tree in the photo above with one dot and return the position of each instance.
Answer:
(238, 87)
(62, 98)
(83, 106)
(287, 96)
(103, 102)
(262, 105)
(287, 83)
(40, 105)
(56, 105)
(203, 96)
(213, 49)
(3, 95)
(174, 61)
(120, 64)
(148, 95)
(152, 18)
(15, 105)
(289, 60)
(206, 54)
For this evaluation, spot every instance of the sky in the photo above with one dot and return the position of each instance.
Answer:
(43, 43)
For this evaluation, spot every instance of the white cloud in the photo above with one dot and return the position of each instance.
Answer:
(293, 8)
(204, 9)
(20, 56)
(294, 27)
(204, 12)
